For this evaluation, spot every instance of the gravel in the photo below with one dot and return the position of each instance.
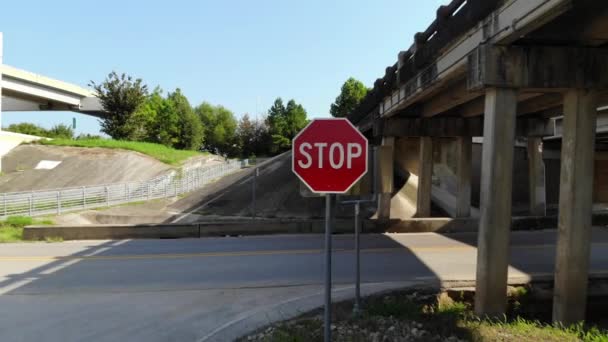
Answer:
(368, 328)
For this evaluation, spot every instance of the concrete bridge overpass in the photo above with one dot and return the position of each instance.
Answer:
(25, 91)
(22, 90)
(502, 72)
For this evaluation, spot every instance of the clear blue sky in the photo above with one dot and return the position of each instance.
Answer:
(233, 53)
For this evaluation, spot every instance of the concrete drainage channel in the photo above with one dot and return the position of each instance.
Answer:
(272, 226)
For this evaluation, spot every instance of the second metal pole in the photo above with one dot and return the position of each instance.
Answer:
(327, 316)
(255, 179)
(357, 307)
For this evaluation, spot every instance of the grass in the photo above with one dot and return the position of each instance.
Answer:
(11, 229)
(163, 153)
(521, 329)
(441, 316)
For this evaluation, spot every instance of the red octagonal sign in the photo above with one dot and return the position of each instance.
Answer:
(329, 155)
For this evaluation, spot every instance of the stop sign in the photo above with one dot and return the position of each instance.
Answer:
(329, 155)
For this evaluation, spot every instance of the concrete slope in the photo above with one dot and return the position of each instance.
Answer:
(77, 167)
(277, 195)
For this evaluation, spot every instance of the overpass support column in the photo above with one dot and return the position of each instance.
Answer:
(425, 177)
(386, 172)
(575, 206)
(1, 61)
(495, 198)
(536, 177)
(463, 175)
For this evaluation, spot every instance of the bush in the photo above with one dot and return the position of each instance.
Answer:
(57, 131)
(27, 128)
(60, 131)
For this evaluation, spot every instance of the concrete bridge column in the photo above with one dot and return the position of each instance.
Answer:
(463, 175)
(1, 61)
(425, 177)
(536, 177)
(495, 198)
(575, 206)
(385, 172)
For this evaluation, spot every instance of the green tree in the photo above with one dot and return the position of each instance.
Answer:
(295, 119)
(120, 96)
(166, 126)
(61, 131)
(245, 133)
(145, 120)
(351, 94)
(190, 130)
(220, 127)
(284, 123)
(276, 118)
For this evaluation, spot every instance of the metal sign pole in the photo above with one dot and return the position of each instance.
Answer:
(255, 180)
(357, 307)
(327, 316)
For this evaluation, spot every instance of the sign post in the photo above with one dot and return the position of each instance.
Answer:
(358, 259)
(327, 313)
(329, 156)
(254, 179)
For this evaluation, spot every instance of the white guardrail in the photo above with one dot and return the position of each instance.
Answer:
(57, 201)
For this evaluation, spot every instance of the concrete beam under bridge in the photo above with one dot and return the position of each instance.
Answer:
(534, 67)
(459, 127)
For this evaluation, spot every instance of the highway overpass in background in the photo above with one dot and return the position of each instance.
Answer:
(23, 91)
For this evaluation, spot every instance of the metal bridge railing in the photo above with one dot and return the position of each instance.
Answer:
(57, 201)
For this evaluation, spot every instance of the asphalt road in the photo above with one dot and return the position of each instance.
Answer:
(216, 289)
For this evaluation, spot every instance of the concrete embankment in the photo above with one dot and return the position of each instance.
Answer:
(40, 167)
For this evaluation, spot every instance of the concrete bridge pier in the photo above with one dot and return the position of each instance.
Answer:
(385, 173)
(425, 177)
(575, 206)
(1, 61)
(464, 162)
(495, 198)
(536, 176)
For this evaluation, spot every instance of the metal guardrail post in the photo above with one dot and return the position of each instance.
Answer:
(31, 200)
(58, 202)
(107, 196)
(84, 198)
